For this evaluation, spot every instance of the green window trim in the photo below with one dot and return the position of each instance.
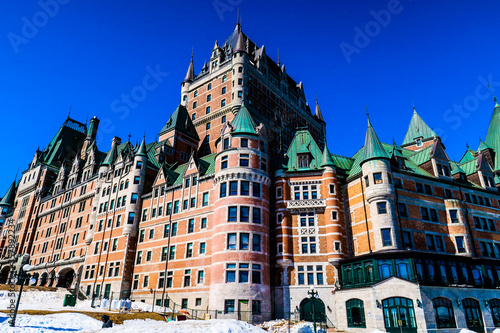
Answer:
(355, 313)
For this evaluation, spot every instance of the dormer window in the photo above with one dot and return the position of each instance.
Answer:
(443, 170)
(185, 98)
(303, 160)
(419, 142)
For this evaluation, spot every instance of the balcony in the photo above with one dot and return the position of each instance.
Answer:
(306, 204)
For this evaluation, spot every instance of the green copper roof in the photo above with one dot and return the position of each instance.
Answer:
(468, 156)
(342, 162)
(10, 195)
(497, 179)
(482, 145)
(303, 143)
(142, 149)
(396, 150)
(206, 166)
(493, 136)
(422, 156)
(373, 147)
(469, 167)
(65, 142)
(181, 121)
(243, 122)
(111, 156)
(327, 159)
(455, 168)
(418, 128)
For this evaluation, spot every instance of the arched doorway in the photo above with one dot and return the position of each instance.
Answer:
(43, 279)
(35, 276)
(473, 316)
(399, 315)
(4, 275)
(495, 311)
(306, 310)
(66, 277)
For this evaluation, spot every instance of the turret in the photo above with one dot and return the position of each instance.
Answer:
(239, 59)
(7, 203)
(492, 139)
(379, 192)
(241, 222)
(133, 205)
(188, 79)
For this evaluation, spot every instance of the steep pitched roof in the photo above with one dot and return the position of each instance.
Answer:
(418, 128)
(142, 149)
(327, 159)
(180, 121)
(373, 147)
(190, 72)
(10, 195)
(455, 168)
(482, 145)
(70, 134)
(317, 111)
(493, 136)
(243, 122)
(303, 142)
(111, 156)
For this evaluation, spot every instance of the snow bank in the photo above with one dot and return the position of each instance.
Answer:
(464, 330)
(57, 322)
(281, 326)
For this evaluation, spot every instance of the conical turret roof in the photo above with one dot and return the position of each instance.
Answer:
(10, 195)
(493, 136)
(142, 149)
(190, 72)
(112, 155)
(327, 159)
(181, 121)
(373, 147)
(243, 122)
(317, 112)
(240, 43)
(418, 128)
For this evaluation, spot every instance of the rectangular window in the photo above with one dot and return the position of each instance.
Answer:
(176, 206)
(189, 250)
(205, 199)
(256, 215)
(232, 215)
(185, 204)
(226, 143)
(131, 217)
(223, 164)
(233, 188)
(230, 273)
(229, 306)
(223, 190)
(386, 237)
(231, 241)
(190, 226)
(200, 280)
(244, 214)
(256, 243)
(174, 229)
(193, 202)
(244, 160)
(431, 245)
(133, 199)
(203, 248)
(453, 215)
(256, 189)
(245, 188)
(244, 241)
(403, 212)
(203, 223)
(382, 207)
(164, 252)
(425, 213)
(459, 240)
(407, 243)
(434, 215)
(142, 234)
(244, 143)
(172, 253)
(377, 178)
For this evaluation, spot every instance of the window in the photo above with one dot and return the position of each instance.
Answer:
(244, 160)
(425, 213)
(367, 181)
(386, 237)
(133, 198)
(164, 252)
(244, 143)
(229, 306)
(223, 119)
(185, 204)
(137, 180)
(193, 117)
(223, 102)
(377, 178)
(382, 207)
(308, 244)
(256, 215)
(139, 258)
(223, 190)
(176, 206)
(233, 188)
(203, 223)
(203, 248)
(223, 91)
(223, 164)
(209, 98)
(403, 211)
(244, 241)
(279, 192)
(453, 215)
(256, 274)
(205, 199)
(193, 202)
(138, 165)
(256, 307)
(231, 241)
(434, 215)
(256, 243)
(172, 253)
(230, 273)
(232, 214)
(189, 250)
(226, 145)
(190, 226)
(355, 313)
(195, 104)
(244, 214)
(131, 217)
(245, 188)
(256, 189)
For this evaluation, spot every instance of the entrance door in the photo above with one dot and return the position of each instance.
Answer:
(243, 310)
(312, 309)
(473, 315)
(107, 290)
(399, 316)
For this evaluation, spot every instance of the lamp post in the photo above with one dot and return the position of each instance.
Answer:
(313, 294)
(22, 276)
(153, 291)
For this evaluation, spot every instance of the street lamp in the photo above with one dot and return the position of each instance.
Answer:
(21, 277)
(153, 291)
(313, 294)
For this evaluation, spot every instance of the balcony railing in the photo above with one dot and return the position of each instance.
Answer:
(304, 204)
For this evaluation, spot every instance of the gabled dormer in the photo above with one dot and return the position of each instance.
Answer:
(303, 153)
(419, 135)
(440, 160)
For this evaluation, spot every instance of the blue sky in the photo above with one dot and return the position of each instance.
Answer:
(384, 54)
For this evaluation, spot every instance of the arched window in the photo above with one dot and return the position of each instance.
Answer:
(121, 186)
(399, 315)
(495, 311)
(443, 310)
(355, 313)
(126, 184)
(473, 316)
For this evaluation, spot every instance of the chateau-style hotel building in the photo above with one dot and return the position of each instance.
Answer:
(239, 207)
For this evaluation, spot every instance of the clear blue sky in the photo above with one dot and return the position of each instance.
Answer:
(86, 54)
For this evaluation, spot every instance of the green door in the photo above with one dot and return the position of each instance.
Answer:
(307, 308)
(107, 290)
(399, 315)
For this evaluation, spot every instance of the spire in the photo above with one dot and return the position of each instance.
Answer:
(240, 43)
(373, 148)
(417, 129)
(190, 72)
(327, 159)
(142, 149)
(112, 154)
(243, 122)
(482, 145)
(492, 139)
(10, 195)
(317, 112)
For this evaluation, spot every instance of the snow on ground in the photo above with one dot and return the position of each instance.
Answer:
(75, 322)
(281, 326)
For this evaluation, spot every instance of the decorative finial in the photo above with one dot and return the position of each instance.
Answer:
(492, 90)
(87, 119)
(144, 137)
(69, 112)
(467, 145)
(413, 103)
(367, 113)
(192, 53)
(129, 135)
(238, 16)
(278, 56)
